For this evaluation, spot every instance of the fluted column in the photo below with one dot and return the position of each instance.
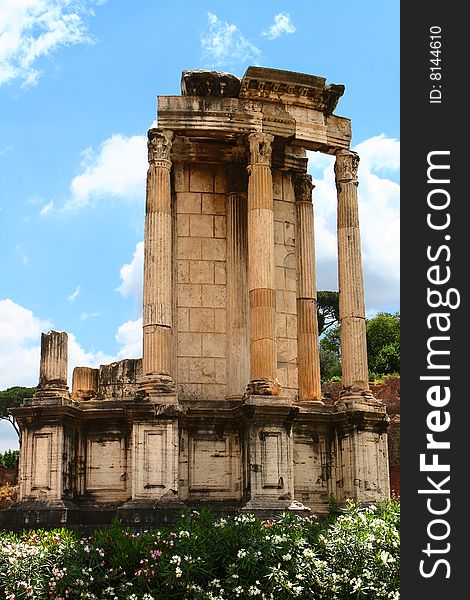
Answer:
(308, 355)
(351, 286)
(157, 311)
(261, 286)
(53, 365)
(238, 370)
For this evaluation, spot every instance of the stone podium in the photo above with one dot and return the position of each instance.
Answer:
(225, 407)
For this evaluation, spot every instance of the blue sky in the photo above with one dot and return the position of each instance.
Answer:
(78, 88)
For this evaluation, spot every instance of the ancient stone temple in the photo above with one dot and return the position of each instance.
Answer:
(225, 407)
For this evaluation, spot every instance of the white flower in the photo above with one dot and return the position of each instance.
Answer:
(178, 572)
(241, 553)
(287, 556)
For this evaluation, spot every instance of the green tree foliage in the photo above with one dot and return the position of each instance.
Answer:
(11, 398)
(383, 343)
(330, 354)
(9, 459)
(327, 310)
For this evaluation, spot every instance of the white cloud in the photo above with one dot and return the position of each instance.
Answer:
(79, 357)
(84, 316)
(379, 220)
(20, 338)
(129, 337)
(118, 170)
(31, 29)
(46, 209)
(223, 44)
(282, 24)
(132, 274)
(74, 294)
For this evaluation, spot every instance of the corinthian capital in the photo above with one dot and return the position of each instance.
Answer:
(346, 165)
(260, 147)
(159, 145)
(303, 187)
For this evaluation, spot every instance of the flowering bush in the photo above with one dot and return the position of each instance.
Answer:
(355, 555)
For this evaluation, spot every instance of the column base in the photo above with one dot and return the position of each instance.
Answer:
(358, 399)
(52, 391)
(263, 387)
(156, 384)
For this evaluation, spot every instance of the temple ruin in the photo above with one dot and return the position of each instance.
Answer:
(225, 408)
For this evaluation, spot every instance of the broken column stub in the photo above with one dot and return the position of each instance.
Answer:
(53, 366)
(85, 383)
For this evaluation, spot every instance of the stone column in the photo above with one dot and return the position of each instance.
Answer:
(261, 286)
(238, 369)
(308, 355)
(157, 312)
(85, 383)
(351, 287)
(53, 366)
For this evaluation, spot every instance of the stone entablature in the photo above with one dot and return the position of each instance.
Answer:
(225, 406)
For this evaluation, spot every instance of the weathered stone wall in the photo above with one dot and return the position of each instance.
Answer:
(201, 249)
(201, 279)
(389, 393)
(286, 282)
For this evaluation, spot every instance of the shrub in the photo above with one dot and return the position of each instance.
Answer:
(355, 555)
(8, 495)
(9, 459)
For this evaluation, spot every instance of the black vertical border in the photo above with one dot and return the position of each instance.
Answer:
(427, 127)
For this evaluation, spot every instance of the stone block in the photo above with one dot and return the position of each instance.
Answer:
(201, 179)
(220, 273)
(213, 344)
(181, 177)
(289, 234)
(201, 271)
(189, 391)
(182, 225)
(279, 278)
(280, 253)
(183, 271)
(183, 318)
(189, 294)
(213, 391)
(189, 248)
(220, 368)
(288, 189)
(292, 376)
(201, 226)
(189, 344)
(220, 320)
(184, 364)
(291, 326)
(187, 202)
(202, 370)
(279, 232)
(213, 204)
(220, 181)
(277, 185)
(281, 329)
(213, 296)
(291, 280)
(213, 249)
(220, 227)
(284, 211)
(290, 299)
(201, 319)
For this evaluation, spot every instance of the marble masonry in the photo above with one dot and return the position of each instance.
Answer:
(224, 408)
